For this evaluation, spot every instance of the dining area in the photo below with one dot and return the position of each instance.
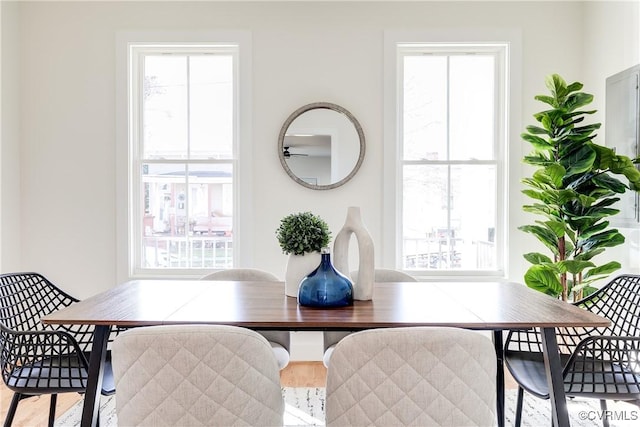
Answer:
(410, 313)
(145, 146)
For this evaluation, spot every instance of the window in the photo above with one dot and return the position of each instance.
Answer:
(450, 158)
(183, 157)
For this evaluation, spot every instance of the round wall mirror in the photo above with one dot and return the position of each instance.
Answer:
(321, 146)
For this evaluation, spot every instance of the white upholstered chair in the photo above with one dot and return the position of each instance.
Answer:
(196, 375)
(380, 275)
(280, 340)
(412, 376)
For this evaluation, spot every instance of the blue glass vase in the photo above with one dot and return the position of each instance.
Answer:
(325, 287)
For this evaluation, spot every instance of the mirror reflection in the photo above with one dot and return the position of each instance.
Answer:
(321, 146)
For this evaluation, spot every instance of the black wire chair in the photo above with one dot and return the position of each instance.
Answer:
(599, 363)
(36, 359)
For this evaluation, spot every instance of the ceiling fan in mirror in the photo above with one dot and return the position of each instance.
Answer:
(287, 154)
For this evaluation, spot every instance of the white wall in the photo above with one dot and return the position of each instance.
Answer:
(302, 52)
(10, 238)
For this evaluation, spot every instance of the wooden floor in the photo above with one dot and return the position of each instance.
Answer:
(33, 412)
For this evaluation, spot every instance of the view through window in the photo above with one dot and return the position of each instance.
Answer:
(183, 161)
(452, 136)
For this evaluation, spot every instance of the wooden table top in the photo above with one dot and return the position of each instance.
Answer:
(258, 305)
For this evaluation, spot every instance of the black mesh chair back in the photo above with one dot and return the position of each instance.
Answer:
(601, 363)
(36, 359)
(27, 297)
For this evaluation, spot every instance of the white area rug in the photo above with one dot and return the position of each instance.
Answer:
(305, 407)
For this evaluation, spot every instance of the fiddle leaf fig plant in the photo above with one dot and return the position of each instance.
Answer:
(573, 192)
(302, 233)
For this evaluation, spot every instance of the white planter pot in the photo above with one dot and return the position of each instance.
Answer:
(298, 267)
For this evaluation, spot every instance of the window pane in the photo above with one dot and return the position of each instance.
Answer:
(449, 217)
(165, 198)
(211, 106)
(473, 215)
(472, 116)
(182, 127)
(424, 120)
(425, 199)
(188, 216)
(425, 217)
(164, 112)
(211, 200)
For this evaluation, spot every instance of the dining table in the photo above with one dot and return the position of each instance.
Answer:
(490, 306)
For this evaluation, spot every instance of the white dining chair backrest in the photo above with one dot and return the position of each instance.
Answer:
(381, 275)
(412, 376)
(196, 375)
(280, 340)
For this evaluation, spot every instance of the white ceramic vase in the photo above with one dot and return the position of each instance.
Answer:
(363, 284)
(298, 267)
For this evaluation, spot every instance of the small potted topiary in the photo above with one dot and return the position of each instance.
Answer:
(301, 235)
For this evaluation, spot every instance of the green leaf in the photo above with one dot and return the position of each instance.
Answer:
(538, 208)
(589, 255)
(551, 175)
(538, 143)
(537, 258)
(575, 266)
(588, 290)
(544, 279)
(582, 131)
(538, 195)
(544, 235)
(585, 288)
(610, 183)
(556, 85)
(605, 156)
(625, 166)
(574, 87)
(606, 239)
(547, 100)
(579, 161)
(586, 200)
(557, 227)
(536, 160)
(565, 196)
(536, 130)
(605, 269)
(577, 100)
(541, 209)
(556, 172)
(594, 229)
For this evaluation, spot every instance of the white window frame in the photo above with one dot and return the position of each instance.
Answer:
(130, 47)
(397, 45)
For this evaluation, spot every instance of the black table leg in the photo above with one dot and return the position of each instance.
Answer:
(96, 371)
(553, 368)
(499, 346)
